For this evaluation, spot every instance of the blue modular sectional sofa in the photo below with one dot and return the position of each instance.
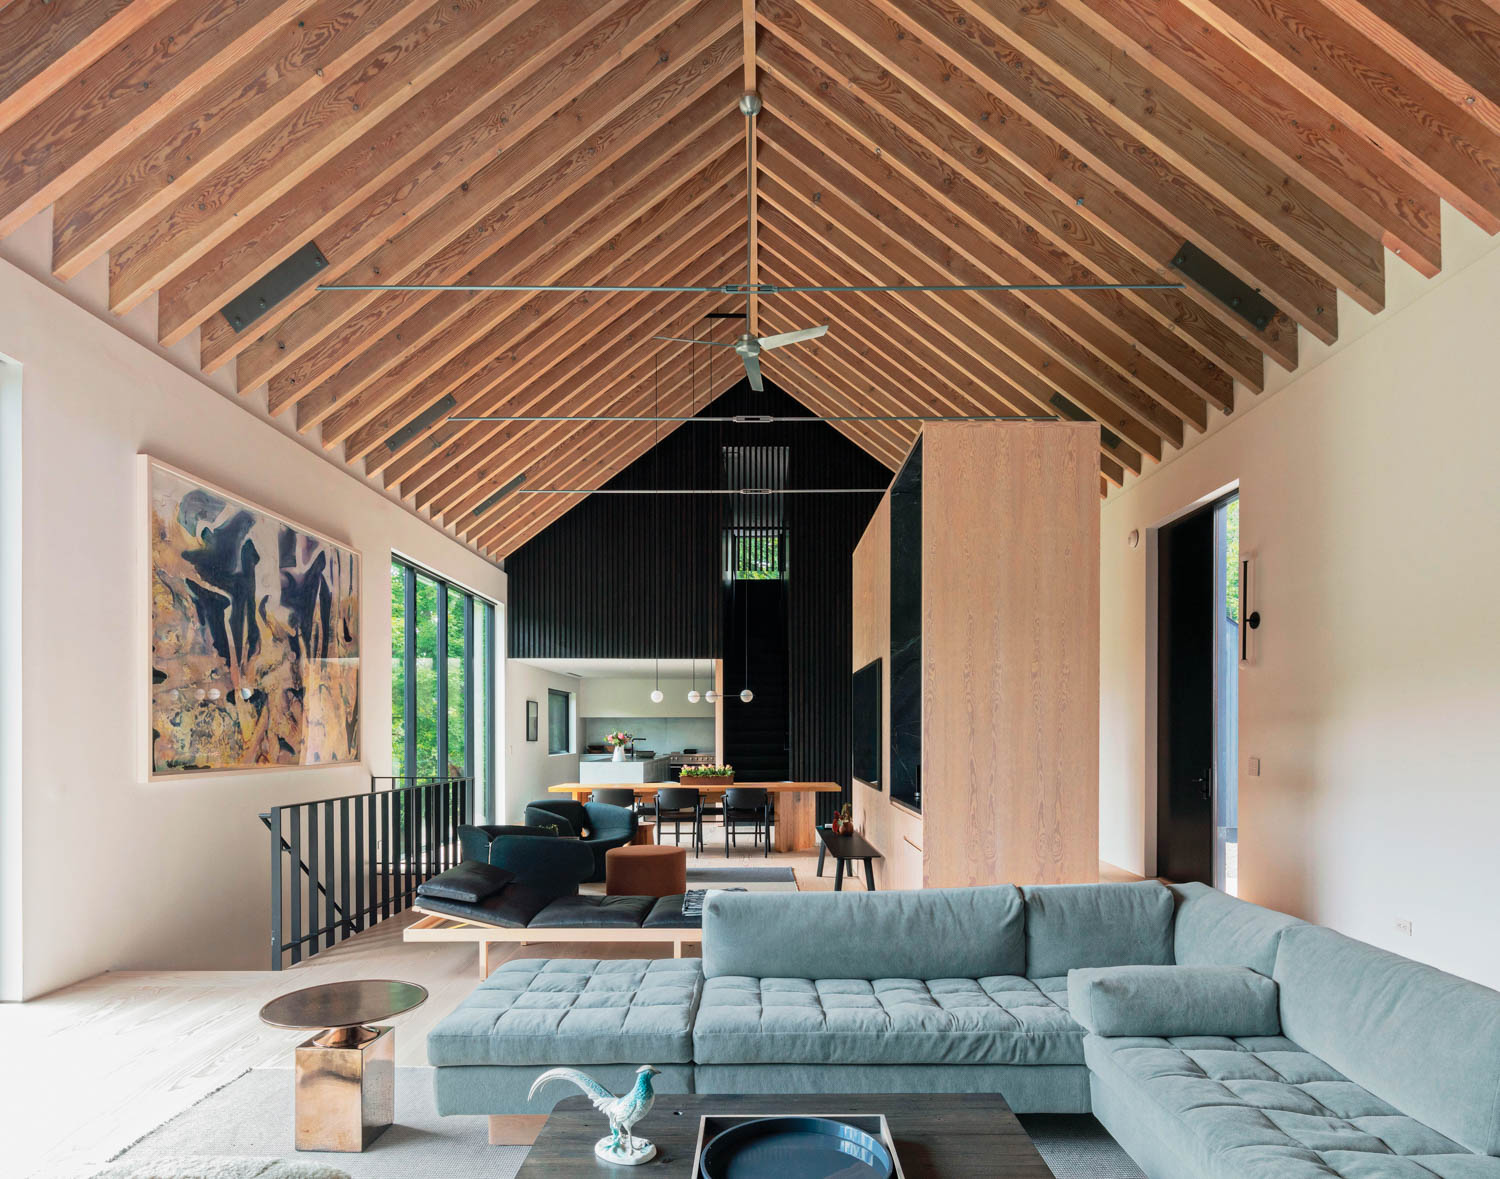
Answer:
(1213, 1038)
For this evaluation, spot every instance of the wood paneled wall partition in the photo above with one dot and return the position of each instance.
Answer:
(1010, 660)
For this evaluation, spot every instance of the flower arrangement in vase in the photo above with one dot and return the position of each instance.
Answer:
(843, 822)
(617, 741)
(708, 775)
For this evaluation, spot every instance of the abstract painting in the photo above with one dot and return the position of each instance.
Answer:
(254, 634)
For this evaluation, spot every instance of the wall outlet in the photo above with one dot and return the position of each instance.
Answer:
(1254, 767)
(1403, 926)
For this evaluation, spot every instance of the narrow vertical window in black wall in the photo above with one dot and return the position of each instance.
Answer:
(906, 631)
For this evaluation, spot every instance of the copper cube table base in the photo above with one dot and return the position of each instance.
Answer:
(345, 1088)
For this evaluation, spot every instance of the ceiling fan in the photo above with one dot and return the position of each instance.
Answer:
(747, 346)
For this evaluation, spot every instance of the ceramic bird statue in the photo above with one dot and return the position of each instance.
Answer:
(623, 1112)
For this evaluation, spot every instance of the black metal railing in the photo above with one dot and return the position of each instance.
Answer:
(340, 865)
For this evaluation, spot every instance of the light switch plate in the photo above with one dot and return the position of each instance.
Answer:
(1254, 767)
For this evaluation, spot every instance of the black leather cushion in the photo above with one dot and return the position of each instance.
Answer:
(513, 907)
(471, 881)
(594, 912)
(667, 914)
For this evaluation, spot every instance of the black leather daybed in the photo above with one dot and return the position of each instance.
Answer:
(469, 903)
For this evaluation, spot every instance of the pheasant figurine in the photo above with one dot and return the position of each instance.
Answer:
(623, 1112)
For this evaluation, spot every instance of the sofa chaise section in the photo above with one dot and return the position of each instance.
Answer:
(1377, 1068)
(604, 1016)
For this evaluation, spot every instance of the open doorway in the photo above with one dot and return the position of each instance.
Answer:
(1198, 600)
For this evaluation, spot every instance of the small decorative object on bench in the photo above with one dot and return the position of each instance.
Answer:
(843, 822)
(857, 1147)
(620, 1145)
(708, 775)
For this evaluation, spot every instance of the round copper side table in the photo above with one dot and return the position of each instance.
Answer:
(345, 1090)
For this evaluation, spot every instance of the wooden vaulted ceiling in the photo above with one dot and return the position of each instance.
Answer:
(197, 144)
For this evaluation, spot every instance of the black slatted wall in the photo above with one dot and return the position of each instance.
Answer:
(632, 577)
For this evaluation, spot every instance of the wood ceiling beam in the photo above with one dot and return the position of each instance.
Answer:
(671, 243)
(1272, 201)
(505, 387)
(123, 94)
(427, 50)
(625, 105)
(589, 457)
(901, 359)
(1453, 45)
(558, 227)
(870, 182)
(398, 125)
(1019, 165)
(544, 451)
(50, 42)
(972, 331)
(1360, 81)
(872, 247)
(792, 90)
(155, 170)
(579, 454)
(749, 33)
(1023, 90)
(1216, 74)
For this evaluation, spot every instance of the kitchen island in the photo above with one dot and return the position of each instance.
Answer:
(601, 768)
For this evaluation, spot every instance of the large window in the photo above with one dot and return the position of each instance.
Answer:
(442, 680)
(559, 705)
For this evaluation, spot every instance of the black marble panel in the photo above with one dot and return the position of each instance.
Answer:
(906, 631)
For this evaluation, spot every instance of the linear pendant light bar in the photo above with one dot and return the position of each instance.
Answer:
(748, 289)
(760, 419)
(706, 491)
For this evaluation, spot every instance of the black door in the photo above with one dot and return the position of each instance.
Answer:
(1185, 701)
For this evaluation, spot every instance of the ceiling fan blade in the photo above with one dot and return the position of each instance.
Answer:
(792, 337)
(685, 340)
(752, 370)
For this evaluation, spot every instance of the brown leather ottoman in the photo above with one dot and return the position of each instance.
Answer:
(645, 870)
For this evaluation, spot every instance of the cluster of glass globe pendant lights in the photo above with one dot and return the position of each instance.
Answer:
(694, 696)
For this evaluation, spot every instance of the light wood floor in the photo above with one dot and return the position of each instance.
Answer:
(89, 1069)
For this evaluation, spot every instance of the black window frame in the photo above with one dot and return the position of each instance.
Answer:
(554, 696)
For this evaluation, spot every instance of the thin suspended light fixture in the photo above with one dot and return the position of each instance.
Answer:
(704, 491)
(762, 419)
(656, 692)
(693, 694)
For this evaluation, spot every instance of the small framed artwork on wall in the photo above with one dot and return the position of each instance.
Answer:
(531, 720)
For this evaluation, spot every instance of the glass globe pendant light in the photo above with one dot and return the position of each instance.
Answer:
(693, 694)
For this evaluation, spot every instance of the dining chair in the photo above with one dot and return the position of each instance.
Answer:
(678, 803)
(747, 804)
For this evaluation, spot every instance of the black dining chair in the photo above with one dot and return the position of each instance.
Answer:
(747, 804)
(625, 798)
(679, 803)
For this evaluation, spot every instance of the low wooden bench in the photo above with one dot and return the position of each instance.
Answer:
(438, 927)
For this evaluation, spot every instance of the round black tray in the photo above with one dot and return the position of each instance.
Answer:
(796, 1148)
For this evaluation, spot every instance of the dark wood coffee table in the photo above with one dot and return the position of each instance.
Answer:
(938, 1136)
(847, 848)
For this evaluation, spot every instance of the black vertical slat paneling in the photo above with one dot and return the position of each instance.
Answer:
(313, 848)
(558, 607)
(387, 851)
(344, 852)
(361, 866)
(276, 874)
(329, 917)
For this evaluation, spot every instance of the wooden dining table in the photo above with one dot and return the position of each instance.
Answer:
(796, 827)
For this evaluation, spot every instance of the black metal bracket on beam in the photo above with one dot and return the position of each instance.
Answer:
(427, 417)
(1077, 413)
(274, 286)
(1239, 296)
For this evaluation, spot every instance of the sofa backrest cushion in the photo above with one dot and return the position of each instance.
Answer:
(927, 933)
(1173, 1001)
(1069, 926)
(1215, 929)
(1425, 1041)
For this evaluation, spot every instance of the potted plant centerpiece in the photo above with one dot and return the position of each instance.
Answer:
(617, 742)
(708, 775)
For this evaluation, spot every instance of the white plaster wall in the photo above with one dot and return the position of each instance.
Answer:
(1369, 503)
(529, 768)
(118, 873)
(632, 697)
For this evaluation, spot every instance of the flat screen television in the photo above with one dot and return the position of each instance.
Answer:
(867, 726)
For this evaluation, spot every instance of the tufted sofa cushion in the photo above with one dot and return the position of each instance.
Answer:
(999, 1019)
(1262, 1108)
(574, 1011)
(1071, 926)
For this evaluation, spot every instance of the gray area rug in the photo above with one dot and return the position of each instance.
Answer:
(252, 1116)
(741, 876)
